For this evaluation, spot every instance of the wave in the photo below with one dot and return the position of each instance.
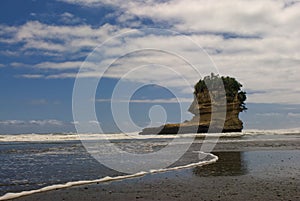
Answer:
(8, 196)
(134, 136)
(272, 132)
(37, 137)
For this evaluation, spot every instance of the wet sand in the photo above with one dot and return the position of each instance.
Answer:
(246, 170)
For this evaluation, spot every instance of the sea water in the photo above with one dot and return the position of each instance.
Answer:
(39, 162)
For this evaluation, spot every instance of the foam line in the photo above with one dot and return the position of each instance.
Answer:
(133, 136)
(8, 196)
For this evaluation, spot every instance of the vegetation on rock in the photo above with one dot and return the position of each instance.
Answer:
(213, 96)
(231, 85)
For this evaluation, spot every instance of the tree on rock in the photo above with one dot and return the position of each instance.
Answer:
(231, 85)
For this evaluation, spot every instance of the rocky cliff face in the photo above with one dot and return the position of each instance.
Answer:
(202, 109)
(210, 110)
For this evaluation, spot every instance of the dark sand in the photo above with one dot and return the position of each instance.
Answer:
(249, 170)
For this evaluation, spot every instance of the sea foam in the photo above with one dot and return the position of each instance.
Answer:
(133, 136)
(8, 196)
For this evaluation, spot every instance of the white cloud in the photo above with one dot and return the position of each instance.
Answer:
(32, 122)
(31, 76)
(252, 61)
(94, 122)
(9, 53)
(269, 114)
(244, 17)
(66, 39)
(94, 3)
(59, 66)
(67, 65)
(46, 122)
(66, 75)
(18, 64)
(74, 122)
(6, 32)
(68, 15)
(263, 51)
(169, 100)
(276, 114)
(69, 18)
(11, 122)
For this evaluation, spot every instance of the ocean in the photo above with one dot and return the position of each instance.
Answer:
(38, 162)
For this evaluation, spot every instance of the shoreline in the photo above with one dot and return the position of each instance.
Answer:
(210, 182)
(12, 196)
(185, 184)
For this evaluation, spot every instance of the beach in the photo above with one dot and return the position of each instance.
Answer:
(179, 100)
(260, 167)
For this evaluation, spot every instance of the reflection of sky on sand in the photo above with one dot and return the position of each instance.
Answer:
(229, 164)
(263, 164)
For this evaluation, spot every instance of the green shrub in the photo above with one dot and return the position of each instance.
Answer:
(231, 86)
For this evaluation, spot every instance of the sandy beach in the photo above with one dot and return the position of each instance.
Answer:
(250, 169)
(179, 100)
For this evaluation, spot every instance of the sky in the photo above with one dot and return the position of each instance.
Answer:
(149, 53)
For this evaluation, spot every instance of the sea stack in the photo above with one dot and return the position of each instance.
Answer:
(216, 107)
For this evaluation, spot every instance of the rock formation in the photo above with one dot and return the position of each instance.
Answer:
(216, 107)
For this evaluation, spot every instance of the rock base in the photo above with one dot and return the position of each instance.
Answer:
(183, 129)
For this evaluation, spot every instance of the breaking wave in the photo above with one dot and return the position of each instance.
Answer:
(129, 136)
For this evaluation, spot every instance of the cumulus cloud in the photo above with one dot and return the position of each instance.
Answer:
(254, 41)
(245, 17)
(63, 39)
(169, 100)
(239, 17)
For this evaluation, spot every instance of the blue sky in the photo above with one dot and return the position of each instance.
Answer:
(44, 43)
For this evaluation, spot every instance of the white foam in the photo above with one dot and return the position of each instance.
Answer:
(38, 137)
(256, 140)
(201, 163)
(72, 137)
(272, 132)
(132, 136)
(8, 196)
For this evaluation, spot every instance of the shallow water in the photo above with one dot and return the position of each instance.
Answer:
(29, 165)
(26, 166)
(253, 162)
